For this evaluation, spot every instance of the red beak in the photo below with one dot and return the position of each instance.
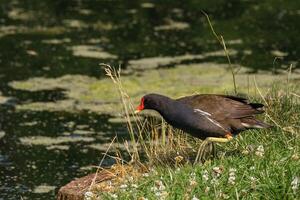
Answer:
(140, 107)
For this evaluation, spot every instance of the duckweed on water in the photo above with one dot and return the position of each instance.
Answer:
(43, 188)
(2, 134)
(89, 51)
(88, 93)
(47, 141)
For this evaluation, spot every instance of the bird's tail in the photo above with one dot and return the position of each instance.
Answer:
(258, 107)
(254, 123)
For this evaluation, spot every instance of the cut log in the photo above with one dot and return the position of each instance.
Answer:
(76, 189)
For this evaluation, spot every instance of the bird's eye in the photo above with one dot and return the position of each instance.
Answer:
(145, 101)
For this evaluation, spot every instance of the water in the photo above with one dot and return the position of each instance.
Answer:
(51, 39)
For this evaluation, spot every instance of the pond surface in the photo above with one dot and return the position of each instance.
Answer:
(45, 148)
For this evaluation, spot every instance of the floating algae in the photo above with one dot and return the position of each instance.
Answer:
(89, 93)
(154, 62)
(2, 134)
(47, 141)
(90, 51)
(57, 41)
(43, 189)
(172, 25)
(58, 147)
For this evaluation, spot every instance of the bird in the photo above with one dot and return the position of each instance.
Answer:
(210, 117)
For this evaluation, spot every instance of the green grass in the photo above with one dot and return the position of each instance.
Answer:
(273, 171)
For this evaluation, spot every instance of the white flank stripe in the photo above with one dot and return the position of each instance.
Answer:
(258, 126)
(246, 125)
(206, 114)
(252, 126)
(202, 112)
(215, 122)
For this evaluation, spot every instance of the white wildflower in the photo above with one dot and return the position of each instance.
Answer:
(193, 175)
(260, 148)
(245, 152)
(253, 181)
(161, 194)
(159, 185)
(123, 186)
(231, 178)
(153, 171)
(295, 157)
(252, 168)
(205, 175)
(158, 194)
(192, 179)
(222, 195)
(232, 170)
(159, 189)
(130, 179)
(114, 196)
(207, 189)
(214, 181)
(142, 198)
(260, 151)
(295, 184)
(145, 175)
(89, 195)
(194, 198)
(193, 183)
(217, 171)
(250, 148)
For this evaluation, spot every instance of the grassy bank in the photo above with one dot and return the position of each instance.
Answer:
(258, 164)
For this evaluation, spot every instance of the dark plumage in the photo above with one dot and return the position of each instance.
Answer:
(206, 115)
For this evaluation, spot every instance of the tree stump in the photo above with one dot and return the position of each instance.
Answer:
(76, 189)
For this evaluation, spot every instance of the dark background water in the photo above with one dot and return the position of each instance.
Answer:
(130, 30)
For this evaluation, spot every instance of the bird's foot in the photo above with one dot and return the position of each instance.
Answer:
(205, 149)
(227, 138)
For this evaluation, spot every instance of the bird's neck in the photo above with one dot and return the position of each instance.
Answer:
(168, 108)
(164, 104)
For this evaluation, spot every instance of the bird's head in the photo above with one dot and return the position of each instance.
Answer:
(150, 101)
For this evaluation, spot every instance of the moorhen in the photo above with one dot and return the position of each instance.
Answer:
(210, 117)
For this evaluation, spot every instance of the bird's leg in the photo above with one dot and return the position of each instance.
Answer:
(201, 150)
(214, 150)
(227, 138)
(210, 151)
(211, 140)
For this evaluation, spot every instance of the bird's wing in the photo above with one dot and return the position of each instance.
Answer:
(221, 107)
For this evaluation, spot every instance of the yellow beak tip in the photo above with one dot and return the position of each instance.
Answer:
(136, 111)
